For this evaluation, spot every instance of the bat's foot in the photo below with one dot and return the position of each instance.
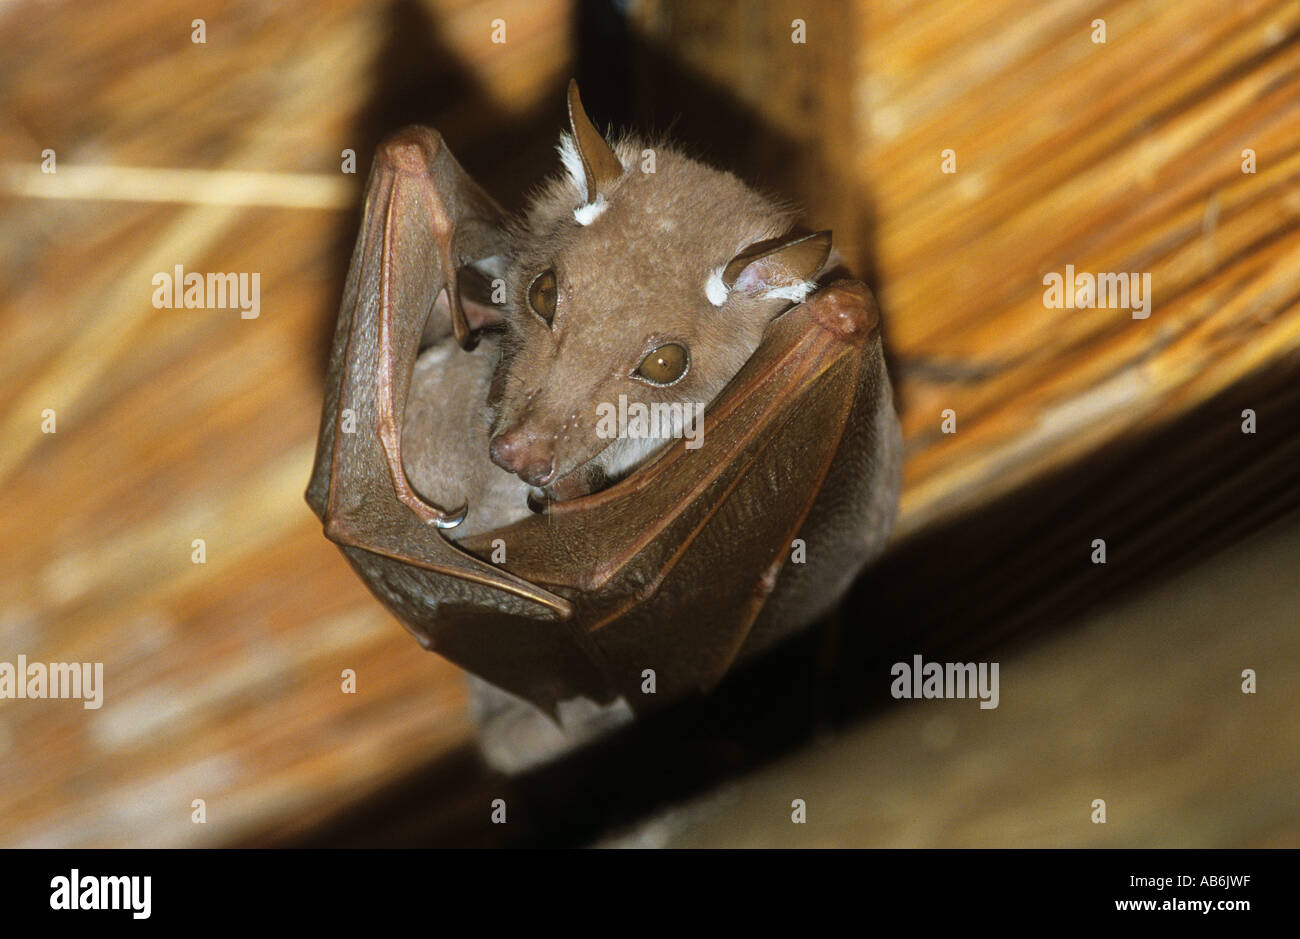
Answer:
(514, 736)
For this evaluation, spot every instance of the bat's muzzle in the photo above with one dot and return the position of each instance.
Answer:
(527, 455)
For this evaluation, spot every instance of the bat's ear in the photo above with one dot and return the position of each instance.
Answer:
(782, 267)
(599, 162)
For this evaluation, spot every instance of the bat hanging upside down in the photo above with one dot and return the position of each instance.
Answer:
(484, 370)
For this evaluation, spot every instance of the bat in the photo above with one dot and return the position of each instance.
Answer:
(483, 460)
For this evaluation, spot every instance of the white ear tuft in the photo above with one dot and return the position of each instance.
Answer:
(796, 292)
(715, 289)
(573, 164)
(588, 213)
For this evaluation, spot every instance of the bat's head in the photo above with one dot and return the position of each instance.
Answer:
(641, 283)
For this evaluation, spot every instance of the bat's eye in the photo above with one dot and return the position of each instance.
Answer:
(541, 295)
(664, 365)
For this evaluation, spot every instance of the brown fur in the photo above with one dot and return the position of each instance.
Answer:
(445, 448)
(629, 281)
(632, 279)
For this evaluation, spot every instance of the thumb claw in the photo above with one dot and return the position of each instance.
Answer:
(446, 520)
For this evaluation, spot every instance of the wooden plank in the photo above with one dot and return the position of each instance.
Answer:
(1066, 152)
(223, 679)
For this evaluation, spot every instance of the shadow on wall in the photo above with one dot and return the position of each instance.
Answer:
(625, 84)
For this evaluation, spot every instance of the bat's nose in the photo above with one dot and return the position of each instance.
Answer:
(527, 455)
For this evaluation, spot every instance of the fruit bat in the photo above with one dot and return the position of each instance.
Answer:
(608, 447)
